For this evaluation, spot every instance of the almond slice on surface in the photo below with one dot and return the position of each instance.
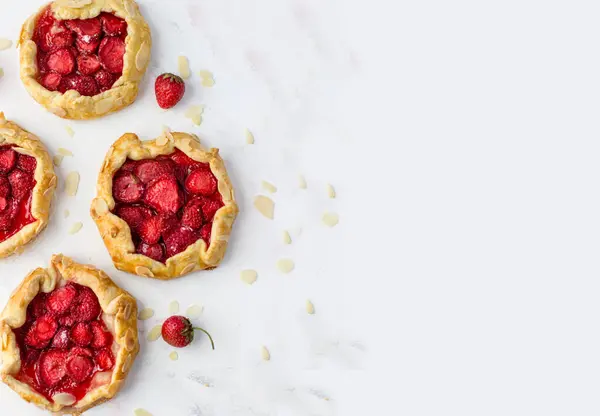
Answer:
(287, 239)
(269, 187)
(184, 67)
(331, 219)
(173, 307)
(64, 152)
(146, 313)
(310, 308)
(331, 191)
(194, 311)
(72, 183)
(248, 276)
(265, 206)
(75, 228)
(155, 333)
(5, 44)
(174, 356)
(1, 72)
(70, 131)
(302, 182)
(285, 265)
(265, 354)
(141, 412)
(249, 137)
(57, 160)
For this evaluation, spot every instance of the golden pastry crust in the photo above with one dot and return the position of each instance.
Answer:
(71, 104)
(42, 193)
(116, 233)
(120, 315)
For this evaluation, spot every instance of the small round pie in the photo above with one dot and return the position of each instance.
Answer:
(68, 337)
(164, 207)
(27, 184)
(83, 59)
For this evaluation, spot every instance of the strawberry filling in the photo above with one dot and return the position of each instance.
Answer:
(16, 183)
(169, 203)
(85, 55)
(64, 342)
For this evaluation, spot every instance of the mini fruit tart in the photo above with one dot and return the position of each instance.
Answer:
(68, 337)
(27, 184)
(83, 59)
(164, 207)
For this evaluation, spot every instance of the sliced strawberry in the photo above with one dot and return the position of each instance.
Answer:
(182, 159)
(129, 165)
(85, 28)
(31, 357)
(61, 340)
(67, 320)
(101, 338)
(154, 251)
(42, 38)
(86, 306)
(81, 334)
(179, 240)
(209, 207)
(61, 61)
(150, 230)
(8, 159)
(4, 187)
(87, 46)
(61, 299)
(8, 214)
(51, 367)
(41, 332)
(202, 182)
(111, 53)
(59, 36)
(113, 25)
(133, 215)
(105, 359)
(205, 233)
(88, 64)
(164, 195)
(82, 351)
(79, 368)
(37, 307)
(167, 223)
(127, 188)
(105, 79)
(51, 81)
(26, 163)
(41, 62)
(46, 17)
(21, 183)
(149, 170)
(192, 214)
(84, 85)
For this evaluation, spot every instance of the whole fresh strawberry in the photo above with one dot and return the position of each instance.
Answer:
(178, 331)
(169, 90)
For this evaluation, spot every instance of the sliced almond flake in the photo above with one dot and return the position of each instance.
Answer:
(57, 160)
(285, 265)
(130, 8)
(197, 119)
(249, 137)
(269, 187)
(74, 4)
(154, 334)
(146, 313)
(67, 213)
(330, 191)
(184, 67)
(72, 183)
(173, 307)
(310, 308)
(104, 106)
(64, 152)
(208, 82)
(174, 356)
(5, 44)
(265, 354)
(265, 206)
(75, 228)
(162, 140)
(7, 132)
(1, 72)
(207, 78)
(100, 206)
(330, 219)
(248, 276)
(70, 131)
(142, 57)
(287, 239)
(194, 311)
(302, 182)
(167, 133)
(143, 271)
(141, 412)
(193, 110)
(64, 399)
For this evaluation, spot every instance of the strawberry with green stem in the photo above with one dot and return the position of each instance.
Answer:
(178, 331)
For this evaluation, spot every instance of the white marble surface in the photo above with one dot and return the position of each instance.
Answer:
(285, 70)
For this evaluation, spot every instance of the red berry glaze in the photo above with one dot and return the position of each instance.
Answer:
(57, 358)
(85, 55)
(168, 202)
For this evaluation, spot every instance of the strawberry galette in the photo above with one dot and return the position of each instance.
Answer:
(68, 337)
(164, 207)
(27, 184)
(83, 59)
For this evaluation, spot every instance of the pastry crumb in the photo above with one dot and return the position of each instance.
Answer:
(70, 131)
(265, 206)
(184, 67)
(249, 137)
(287, 239)
(155, 333)
(75, 228)
(194, 311)
(330, 219)
(173, 307)
(174, 356)
(248, 276)
(265, 354)
(302, 182)
(5, 44)
(269, 187)
(331, 191)
(285, 265)
(72, 183)
(310, 308)
(145, 314)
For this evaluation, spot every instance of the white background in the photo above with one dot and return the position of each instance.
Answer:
(462, 138)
